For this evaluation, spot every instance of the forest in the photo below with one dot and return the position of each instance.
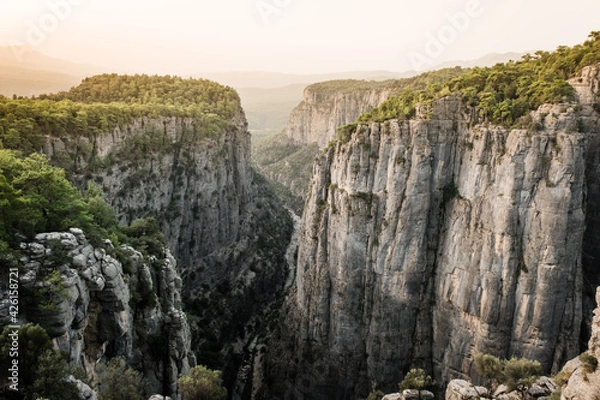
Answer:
(504, 93)
(104, 102)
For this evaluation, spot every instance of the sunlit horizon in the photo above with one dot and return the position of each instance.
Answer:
(288, 36)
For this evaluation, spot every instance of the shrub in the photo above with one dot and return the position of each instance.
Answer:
(51, 373)
(562, 378)
(202, 384)
(588, 362)
(375, 395)
(489, 367)
(116, 381)
(416, 379)
(520, 373)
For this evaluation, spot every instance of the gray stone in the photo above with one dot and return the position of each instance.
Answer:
(410, 394)
(110, 270)
(36, 250)
(88, 251)
(86, 392)
(426, 395)
(459, 389)
(482, 391)
(99, 254)
(393, 396)
(501, 389)
(537, 391)
(548, 383)
(80, 261)
(376, 221)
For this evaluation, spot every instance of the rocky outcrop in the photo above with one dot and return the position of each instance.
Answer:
(459, 389)
(220, 219)
(197, 185)
(95, 309)
(325, 107)
(425, 242)
(581, 375)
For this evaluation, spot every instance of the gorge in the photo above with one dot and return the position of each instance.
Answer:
(447, 215)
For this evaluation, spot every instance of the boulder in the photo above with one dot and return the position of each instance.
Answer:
(410, 394)
(459, 389)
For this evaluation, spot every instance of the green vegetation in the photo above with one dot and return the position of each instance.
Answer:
(36, 197)
(118, 382)
(501, 94)
(489, 367)
(562, 378)
(520, 373)
(186, 94)
(375, 395)
(417, 379)
(419, 82)
(202, 384)
(283, 157)
(42, 371)
(101, 103)
(516, 373)
(588, 362)
(450, 192)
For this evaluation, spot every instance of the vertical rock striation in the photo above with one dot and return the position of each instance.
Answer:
(225, 227)
(95, 309)
(321, 111)
(425, 242)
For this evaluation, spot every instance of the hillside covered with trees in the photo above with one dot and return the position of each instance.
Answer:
(505, 92)
(105, 101)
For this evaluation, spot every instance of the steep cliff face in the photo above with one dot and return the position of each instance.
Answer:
(316, 118)
(287, 158)
(198, 188)
(94, 308)
(580, 375)
(425, 242)
(225, 227)
(588, 91)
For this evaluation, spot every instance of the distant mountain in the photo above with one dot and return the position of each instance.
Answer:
(261, 79)
(26, 72)
(488, 60)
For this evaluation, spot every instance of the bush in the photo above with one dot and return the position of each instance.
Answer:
(516, 373)
(51, 374)
(202, 384)
(588, 362)
(520, 373)
(116, 381)
(562, 378)
(489, 367)
(416, 379)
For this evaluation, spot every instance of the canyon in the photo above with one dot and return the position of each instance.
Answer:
(427, 241)
(423, 241)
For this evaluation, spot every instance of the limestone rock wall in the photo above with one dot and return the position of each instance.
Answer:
(226, 228)
(317, 117)
(94, 310)
(425, 242)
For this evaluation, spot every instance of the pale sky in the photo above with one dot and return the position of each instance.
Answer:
(295, 36)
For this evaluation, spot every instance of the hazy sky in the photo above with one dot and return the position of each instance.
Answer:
(299, 36)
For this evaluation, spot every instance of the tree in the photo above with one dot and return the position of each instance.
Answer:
(489, 367)
(416, 379)
(33, 341)
(520, 373)
(516, 373)
(116, 381)
(202, 384)
(51, 374)
(42, 371)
